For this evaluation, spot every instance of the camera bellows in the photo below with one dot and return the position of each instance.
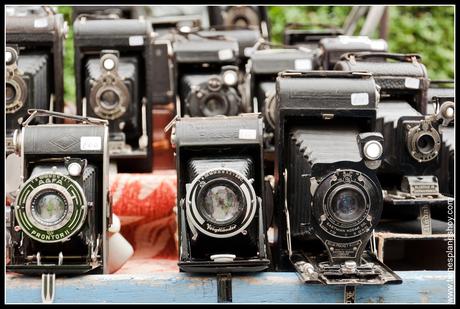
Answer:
(35, 74)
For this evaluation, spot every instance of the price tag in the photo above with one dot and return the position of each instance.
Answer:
(247, 134)
(303, 64)
(136, 40)
(90, 143)
(41, 23)
(358, 99)
(225, 54)
(412, 83)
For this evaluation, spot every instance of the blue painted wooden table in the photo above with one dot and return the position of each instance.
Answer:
(417, 287)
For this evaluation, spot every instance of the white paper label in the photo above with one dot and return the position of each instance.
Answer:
(303, 64)
(225, 54)
(90, 143)
(247, 134)
(378, 45)
(412, 83)
(136, 40)
(359, 99)
(248, 51)
(41, 23)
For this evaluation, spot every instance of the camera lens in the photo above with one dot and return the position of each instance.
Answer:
(109, 99)
(49, 208)
(348, 205)
(222, 203)
(10, 93)
(215, 105)
(425, 143)
(241, 21)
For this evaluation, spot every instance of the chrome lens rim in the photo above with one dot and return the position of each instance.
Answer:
(70, 223)
(199, 222)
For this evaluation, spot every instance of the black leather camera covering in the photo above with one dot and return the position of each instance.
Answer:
(198, 131)
(199, 50)
(394, 78)
(333, 48)
(313, 94)
(48, 141)
(246, 38)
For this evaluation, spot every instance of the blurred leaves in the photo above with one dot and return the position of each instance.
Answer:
(69, 70)
(426, 30)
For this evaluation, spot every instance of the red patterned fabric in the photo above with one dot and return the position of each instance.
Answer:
(145, 205)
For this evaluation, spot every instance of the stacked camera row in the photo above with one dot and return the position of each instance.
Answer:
(350, 132)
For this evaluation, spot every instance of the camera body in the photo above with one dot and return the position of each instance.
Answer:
(241, 16)
(262, 70)
(62, 209)
(208, 78)
(114, 77)
(331, 49)
(326, 185)
(220, 194)
(34, 74)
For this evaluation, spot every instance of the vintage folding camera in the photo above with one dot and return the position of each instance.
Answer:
(61, 213)
(220, 194)
(413, 139)
(332, 48)
(439, 93)
(328, 196)
(262, 70)
(114, 76)
(304, 35)
(208, 78)
(33, 66)
(242, 16)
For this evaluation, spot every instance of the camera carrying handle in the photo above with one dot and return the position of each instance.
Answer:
(394, 56)
(46, 113)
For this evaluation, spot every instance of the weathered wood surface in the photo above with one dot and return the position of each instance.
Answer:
(417, 287)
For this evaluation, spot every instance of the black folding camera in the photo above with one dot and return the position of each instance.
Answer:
(305, 35)
(114, 77)
(262, 70)
(413, 140)
(326, 185)
(332, 48)
(208, 78)
(34, 66)
(439, 93)
(220, 194)
(61, 213)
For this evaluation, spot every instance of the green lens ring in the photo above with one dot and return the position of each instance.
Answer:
(69, 190)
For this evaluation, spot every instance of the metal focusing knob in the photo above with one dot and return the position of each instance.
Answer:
(446, 113)
(307, 269)
(423, 141)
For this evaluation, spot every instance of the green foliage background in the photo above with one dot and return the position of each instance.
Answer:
(426, 30)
